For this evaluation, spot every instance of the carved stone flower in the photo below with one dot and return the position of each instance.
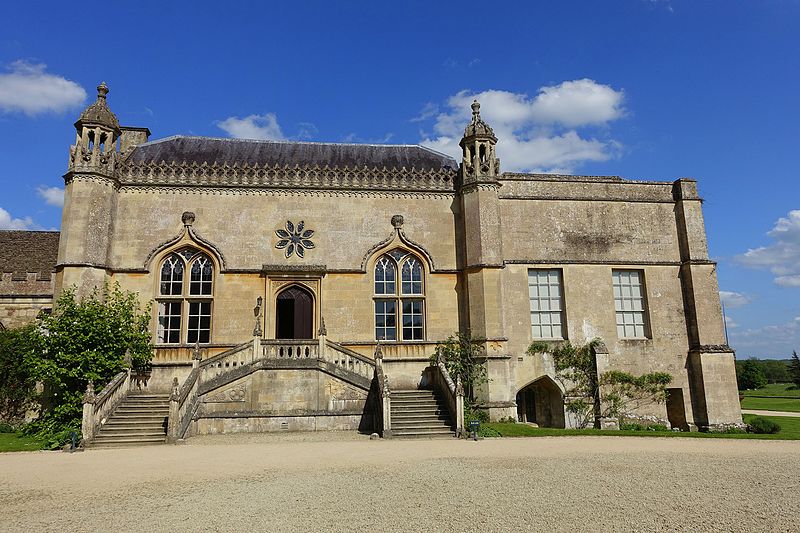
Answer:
(294, 239)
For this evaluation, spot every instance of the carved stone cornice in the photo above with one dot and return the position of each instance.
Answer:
(285, 177)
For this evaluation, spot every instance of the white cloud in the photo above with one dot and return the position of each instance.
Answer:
(730, 322)
(263, 127)
(734, 299)
(51, 195)
(535, 133)
(782, 257)
(7, 222)
(27, 88)
(778, 339)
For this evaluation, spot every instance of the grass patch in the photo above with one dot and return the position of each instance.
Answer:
(790, 430)
(15, 442)
(773, 390)
(772, 404)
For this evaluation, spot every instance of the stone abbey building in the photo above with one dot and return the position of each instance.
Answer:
(288, 263)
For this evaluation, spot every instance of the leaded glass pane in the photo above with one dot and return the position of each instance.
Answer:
(201, 277)
(412, 320)
(412, 276)
(629, 303)
(172, 276)
(385, 320)
(169, 322)
(199, 323)
(385, 276)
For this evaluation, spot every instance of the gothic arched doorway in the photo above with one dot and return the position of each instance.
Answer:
(542, 403)
(294, 314)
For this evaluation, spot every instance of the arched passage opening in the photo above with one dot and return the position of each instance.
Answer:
(294, 313)
(541, 403)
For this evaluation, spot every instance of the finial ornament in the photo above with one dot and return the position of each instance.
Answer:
(476, 110)
(102, 90)
(397, 221)
(187, 218)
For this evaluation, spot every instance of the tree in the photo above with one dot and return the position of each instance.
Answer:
(16, 382)
(775, 371)
(463, 357)
(612, 394)
(84, 341)
(794, 369)
(750, 375)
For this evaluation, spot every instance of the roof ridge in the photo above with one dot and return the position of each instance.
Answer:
(286, 141)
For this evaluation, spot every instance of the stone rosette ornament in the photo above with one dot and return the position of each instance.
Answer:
(294, 239)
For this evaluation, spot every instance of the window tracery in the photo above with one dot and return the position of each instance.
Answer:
(185, 302)
(399, 307)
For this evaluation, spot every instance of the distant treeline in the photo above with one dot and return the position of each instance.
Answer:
(757, 373)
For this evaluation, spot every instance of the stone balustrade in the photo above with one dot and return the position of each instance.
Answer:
(97, 408)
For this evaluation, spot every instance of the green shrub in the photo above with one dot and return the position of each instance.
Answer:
(5, 427)
(486, 431)
(763, 425)
(631, 426)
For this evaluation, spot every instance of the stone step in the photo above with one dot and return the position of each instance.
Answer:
(135, 422)
(138, 416)
(139, 411)
(402, 415)
(123, 433)
(419, 425)
(145, 425)
(420, 410)
(414, 401)
(422, 434)
(127, 443)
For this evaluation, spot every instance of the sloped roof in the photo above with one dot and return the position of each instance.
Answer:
(28, 251)
(284, 153)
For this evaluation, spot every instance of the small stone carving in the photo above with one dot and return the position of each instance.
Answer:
(187, 218)
(234, 394)
(322, 330)
(294, 239)
(397, 221)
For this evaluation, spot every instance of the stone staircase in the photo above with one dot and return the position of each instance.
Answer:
(139, 420)
(419, 414)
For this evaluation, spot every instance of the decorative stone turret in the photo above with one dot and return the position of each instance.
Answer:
(479, 161)
(97, 133)
(89, 199)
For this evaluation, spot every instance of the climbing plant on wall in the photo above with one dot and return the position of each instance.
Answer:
(611, 394)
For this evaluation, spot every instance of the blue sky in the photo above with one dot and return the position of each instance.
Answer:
(644, 89)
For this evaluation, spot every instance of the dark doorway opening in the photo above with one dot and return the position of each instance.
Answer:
(541, 402)
(676, 410)
(294, 314)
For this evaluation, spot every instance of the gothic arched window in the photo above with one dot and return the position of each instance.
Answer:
(185, 302)
(401, 303)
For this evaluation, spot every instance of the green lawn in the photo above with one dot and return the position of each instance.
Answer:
(774, 390)
(772, 404)
(790, 430)
(14, 442)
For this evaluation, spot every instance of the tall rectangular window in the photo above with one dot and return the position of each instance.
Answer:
(629, 303)
(544, 291)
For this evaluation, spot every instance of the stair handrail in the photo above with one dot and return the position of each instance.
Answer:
(352, 361)
(383, 412)
(96, 408)
(231, 351)
(183, 401)
(453, 390)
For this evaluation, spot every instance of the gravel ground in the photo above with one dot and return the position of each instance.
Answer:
(345, 482)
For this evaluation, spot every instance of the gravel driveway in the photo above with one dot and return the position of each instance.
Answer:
(345, 482)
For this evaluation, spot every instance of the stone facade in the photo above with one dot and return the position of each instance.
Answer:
(27, 264)
(323, 219)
